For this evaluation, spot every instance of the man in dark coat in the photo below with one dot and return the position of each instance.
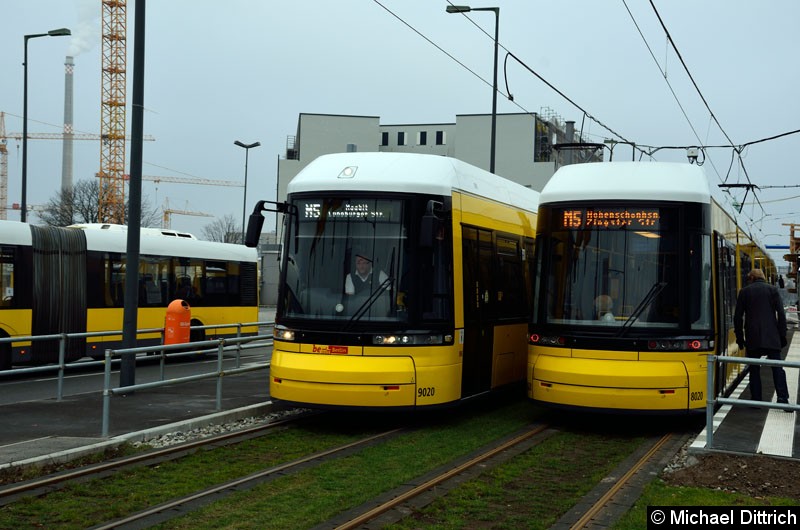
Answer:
(764, 331)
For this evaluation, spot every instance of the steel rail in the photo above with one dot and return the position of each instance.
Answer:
(598, 506)
(400, 499)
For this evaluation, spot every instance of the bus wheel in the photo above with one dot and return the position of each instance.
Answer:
(5, 355)
(197, 335)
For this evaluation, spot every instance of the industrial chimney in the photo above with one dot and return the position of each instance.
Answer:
(66, 156)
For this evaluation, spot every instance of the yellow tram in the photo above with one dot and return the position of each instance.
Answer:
(404, 282)
(637, 271)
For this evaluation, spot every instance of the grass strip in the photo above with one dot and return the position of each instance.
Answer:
(437, 439)
(531, 491)
(657, 493)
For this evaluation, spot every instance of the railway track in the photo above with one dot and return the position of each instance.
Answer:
(614, 496)
(368, 516)
(609, 499)
(54, 482)
(177, 507)
(607, 502)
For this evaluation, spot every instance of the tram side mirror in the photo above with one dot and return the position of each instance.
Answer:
(431, 224)
(256, 220)
(427, 230)
(254, 225)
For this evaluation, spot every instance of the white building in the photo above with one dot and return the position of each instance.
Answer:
(523, 148)
(523, 145)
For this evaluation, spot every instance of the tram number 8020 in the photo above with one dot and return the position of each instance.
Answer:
(426, 392)
(696, 396)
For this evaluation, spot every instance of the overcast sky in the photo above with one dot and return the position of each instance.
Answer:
(244, 70)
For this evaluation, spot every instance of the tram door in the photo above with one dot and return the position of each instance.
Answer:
(477, 254)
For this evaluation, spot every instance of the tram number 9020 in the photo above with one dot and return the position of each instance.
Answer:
(696, 396)
(426, 392)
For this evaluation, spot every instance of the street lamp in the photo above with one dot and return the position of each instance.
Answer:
(247, 148)
(467, 9)
(52, 33)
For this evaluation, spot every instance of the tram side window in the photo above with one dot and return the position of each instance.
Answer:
(510, 296)
(746, 267)
(727, 267)
(700, 281)
(6, 276)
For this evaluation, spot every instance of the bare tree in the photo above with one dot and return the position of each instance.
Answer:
(223, 230)
(80, 205)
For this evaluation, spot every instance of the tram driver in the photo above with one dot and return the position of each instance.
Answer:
(361, 285)
(603, 305)
(360, 279)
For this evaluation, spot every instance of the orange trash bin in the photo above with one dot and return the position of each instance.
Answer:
(178, 322)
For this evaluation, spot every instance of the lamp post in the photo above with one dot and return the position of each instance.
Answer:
(246, 148)
(61, 32)
(467, 9)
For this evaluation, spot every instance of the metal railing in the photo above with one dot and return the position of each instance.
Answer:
(62, 366)
(713, 400)
(221, 345)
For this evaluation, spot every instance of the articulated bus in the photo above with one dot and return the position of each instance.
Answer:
(72, 280)
(637, 272)
(404, 282)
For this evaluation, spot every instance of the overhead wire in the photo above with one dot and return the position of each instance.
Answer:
(662, 70)
(737, 150)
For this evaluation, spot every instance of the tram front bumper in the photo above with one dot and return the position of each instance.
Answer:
(611, 384)
(341, 380)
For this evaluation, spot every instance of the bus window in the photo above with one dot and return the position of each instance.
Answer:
(6, 276)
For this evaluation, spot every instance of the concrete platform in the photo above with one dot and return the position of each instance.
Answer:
(749, 429)
(37, 432)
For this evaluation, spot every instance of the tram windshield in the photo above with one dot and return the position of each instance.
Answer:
(351, 260)
(617, 268)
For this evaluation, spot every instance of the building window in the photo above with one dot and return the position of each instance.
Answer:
(384, 138)
(422, 138)
(441, 138)
(401, 138)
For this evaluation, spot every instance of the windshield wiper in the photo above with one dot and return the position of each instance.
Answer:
(646, 301)
(363, 308)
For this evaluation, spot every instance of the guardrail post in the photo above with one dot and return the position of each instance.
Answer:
(710, 401)
(106, 394)
(220, 348)
(238, 344)
(62, 354)
(163, 354)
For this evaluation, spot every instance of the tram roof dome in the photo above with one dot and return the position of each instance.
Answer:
(406, 173)
(664, 181)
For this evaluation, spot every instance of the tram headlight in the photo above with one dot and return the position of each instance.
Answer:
(547, 340)
(281, 333)
(412, 339)
(680, 344)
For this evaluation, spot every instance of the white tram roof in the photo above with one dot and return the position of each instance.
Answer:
(663, 181)
(409, 173)
(114, 238)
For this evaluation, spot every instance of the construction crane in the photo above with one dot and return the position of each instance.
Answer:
(4, 137)
(166, 222)
(111, 207)
(3, 168)
(184, 180)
